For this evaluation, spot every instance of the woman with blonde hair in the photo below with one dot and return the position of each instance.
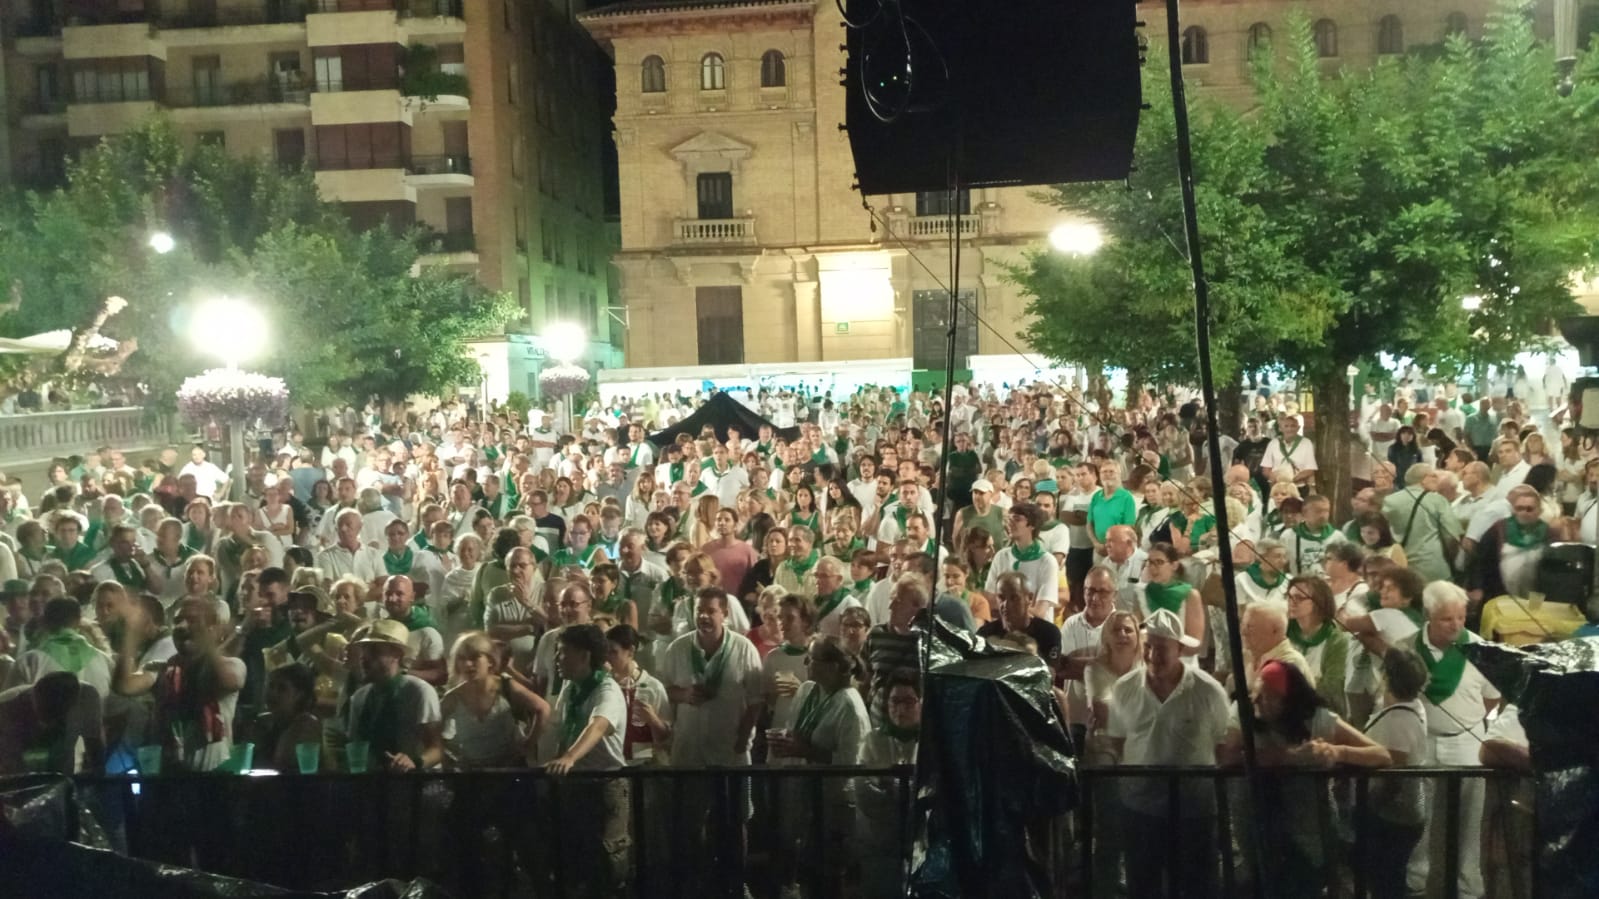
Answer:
(637, 509)
(486, 717)
(702, 529)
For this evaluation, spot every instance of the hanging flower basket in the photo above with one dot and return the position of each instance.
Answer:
(563, 380)
(227, 395)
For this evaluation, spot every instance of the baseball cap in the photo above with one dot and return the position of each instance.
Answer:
(1165, 623)
(983, 484)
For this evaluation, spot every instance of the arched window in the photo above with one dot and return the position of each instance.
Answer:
(1390, 35)
(1196, 47)
(652, 73)
(1326, 35)
(713, 72)
(1455, 24)
(773, 73)
(1259, 37)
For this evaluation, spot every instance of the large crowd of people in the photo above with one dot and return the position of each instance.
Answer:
(480, 591)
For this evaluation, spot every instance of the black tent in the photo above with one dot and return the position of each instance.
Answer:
(721, 412)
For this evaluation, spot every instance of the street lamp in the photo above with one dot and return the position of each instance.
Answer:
(233, 331)
(564, 341)
(1076, 238)
(162, 242)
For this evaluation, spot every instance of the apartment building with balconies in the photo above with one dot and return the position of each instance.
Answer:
(742, 237)
(482, 122)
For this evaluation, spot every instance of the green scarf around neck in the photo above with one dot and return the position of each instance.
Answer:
(1525, 538)
(380, 717)
(1303, 641)
(1258, 575)
(1443, 675)
(419, 618)
(901, 734)
(1032, 552)
(831, 602)
(709, 669)
(399, 564)
(802, 567)
(1168, 596)
(1319, 536)
(575, 695)
(69, 649)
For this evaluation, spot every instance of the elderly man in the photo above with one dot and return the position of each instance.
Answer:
(1476, 490)
(1170, 714)
(126, 564)
(894, 645)
(1079, 644)
(402, 556)
(396, 714)
(1423, 523)
(1291, 452)
(426, 659)
(575, 606)
(1307, 541)
(1265, 635)
(1125, 563)
(1458, 700)
(1507, 554)
(349, 556)
(833, 595)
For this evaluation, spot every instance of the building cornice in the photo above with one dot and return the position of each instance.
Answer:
(649, 18)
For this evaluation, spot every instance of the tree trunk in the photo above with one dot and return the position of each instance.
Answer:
(1330, 393)
(1230, 406)
(1135, 385)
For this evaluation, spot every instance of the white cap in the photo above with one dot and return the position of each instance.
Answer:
(983, 484)
(1165, 623)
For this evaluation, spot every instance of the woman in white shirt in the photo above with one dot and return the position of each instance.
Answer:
(827, 725)
(1394, 817)
(452, 604)
(483, 713)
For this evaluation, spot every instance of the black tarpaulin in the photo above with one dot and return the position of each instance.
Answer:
(721, 412)
(1556, 688)
(995, 762)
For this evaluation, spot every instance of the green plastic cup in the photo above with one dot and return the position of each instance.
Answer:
(357, 754)
(149, 759)
(309, 757)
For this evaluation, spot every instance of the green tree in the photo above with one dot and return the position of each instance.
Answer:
(1345, 216)
(348, 317)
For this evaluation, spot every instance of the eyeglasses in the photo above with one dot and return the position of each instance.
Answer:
(1101, 591)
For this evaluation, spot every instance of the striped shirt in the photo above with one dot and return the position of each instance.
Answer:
(885, 651)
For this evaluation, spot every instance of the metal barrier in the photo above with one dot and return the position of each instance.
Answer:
(1326, 808)
(645, 832)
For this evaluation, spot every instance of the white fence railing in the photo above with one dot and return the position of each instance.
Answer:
(46, 435)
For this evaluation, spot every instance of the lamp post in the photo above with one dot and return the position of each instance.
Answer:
(1076, 238)
(233, 331)
(564, 342)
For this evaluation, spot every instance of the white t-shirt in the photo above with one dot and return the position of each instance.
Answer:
(1183, 730)
(841, 727)
(1042, 575)
(1466, 708)
(705, 734)
(97, 670)
(418, 705)
(1402, 727)
(206, 477)
(366, 563)
(1077, 635)
(1295, 456)
(606, 702)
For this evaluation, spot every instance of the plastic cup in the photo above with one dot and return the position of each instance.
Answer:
(357, 753)
(242, 757)
(149, 760)
(309, 757)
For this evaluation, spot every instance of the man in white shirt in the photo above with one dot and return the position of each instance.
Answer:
(394, 705)
(58, 645)
(1290, 451)
(425, 658)
(1458, 700)
(1513, 468)
(349, 555)
(1028, 555)
(209, 480)
(1168, 714)
(337, 449)
(714, 679)
(1125, 563)
(1079, 643)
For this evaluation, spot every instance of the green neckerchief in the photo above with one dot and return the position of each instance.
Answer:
(566, 557)
(812, 710)
(930, 548)
(902, 734)
(1168, 596)
(1416, 616)
(763, 449)
(1030, 553)
(1258, 575)
(420, 541)
(184, 555)
(1443, 675)
(843, 553)
(1202, 526)
(128, 574)
(1525, 538)
(69, 649)
(380, 717)
(632, 457)
(674, 472)
(900, 514)
(76, 558)
(400, 564)
(193, 539)
(612, 604)
(820, 457)
(803, 567)
(419, 618)
(831, 602)
(573, 696)
(1303, 642)
(841, 446)
(1288, 451)
(790, 649)
(1319, 537)
(863, 586)
(709, 670)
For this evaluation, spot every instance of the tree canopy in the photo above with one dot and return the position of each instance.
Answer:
(1345, 214)
(350, 316)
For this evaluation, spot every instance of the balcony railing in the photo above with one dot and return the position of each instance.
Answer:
(431, 9)
(114, 92)
(715, 231)
(43, 435)
(265, 12)
(450, 242)
(373, 83)
(44, 106)
(238, 93)
(939, 225)
(440, 165)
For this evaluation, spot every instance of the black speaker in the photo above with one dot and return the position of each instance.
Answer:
(1565, 573)
(990, 92)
